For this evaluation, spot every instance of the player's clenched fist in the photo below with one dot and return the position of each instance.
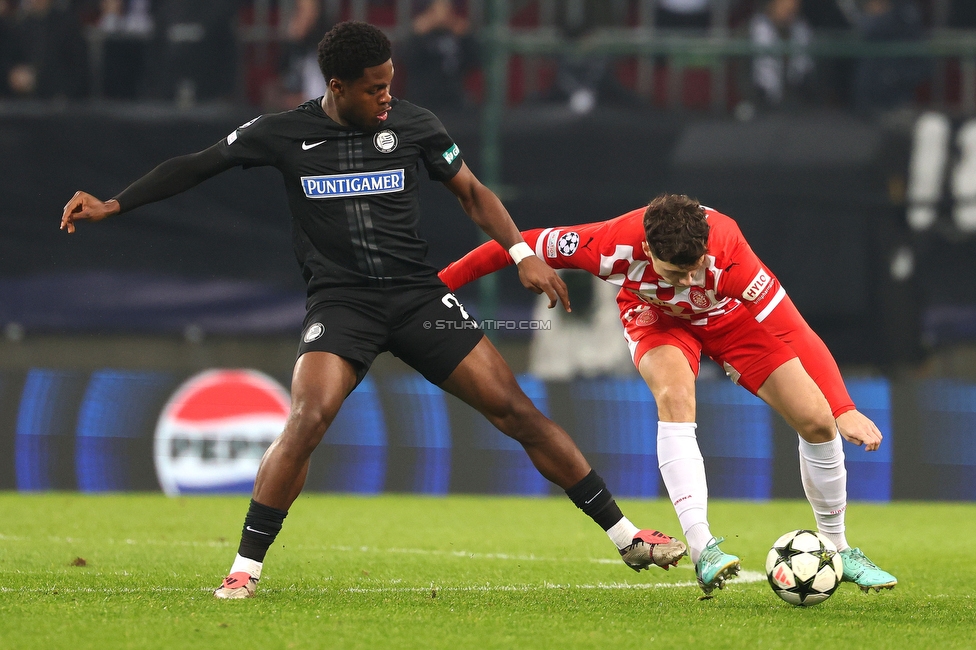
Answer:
(85, 206)
(856, 428)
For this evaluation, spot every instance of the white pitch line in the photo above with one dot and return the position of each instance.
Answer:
(124, 542)
(340, 548)
(745, 577)
(469, 554)
(55, 591)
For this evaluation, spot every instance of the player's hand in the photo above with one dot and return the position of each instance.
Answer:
(539, 277)
(85, 206)
(858, 429)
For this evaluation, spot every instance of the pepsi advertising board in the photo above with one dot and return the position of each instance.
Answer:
(117, 430)
(213, 432)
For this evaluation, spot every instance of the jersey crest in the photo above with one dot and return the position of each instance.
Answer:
(698, 297)
(647, 317)
(385, 141)
(696, 303)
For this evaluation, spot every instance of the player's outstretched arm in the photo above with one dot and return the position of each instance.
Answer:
(171, 177)
(487, 211)
(485, 259)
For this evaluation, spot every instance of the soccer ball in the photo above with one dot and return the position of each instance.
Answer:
(804, 568)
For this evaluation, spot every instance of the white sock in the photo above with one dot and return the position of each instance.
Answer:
(683, 470)
(253, 567)
(825, 484)
(622, 533)
(698, 537)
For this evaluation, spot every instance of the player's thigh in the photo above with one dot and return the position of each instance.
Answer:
(748, 353)
(667, 356)
(668, 374)
(433, 332)
(351, 324)
(320, 384)
(795, 396)
(484, 381)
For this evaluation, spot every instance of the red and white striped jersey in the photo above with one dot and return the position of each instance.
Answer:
(732, 278)
(732, 274)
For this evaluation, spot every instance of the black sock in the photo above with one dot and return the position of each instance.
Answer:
(592, 497)
(261, 525)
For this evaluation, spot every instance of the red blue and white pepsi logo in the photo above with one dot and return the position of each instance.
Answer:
(212, 433)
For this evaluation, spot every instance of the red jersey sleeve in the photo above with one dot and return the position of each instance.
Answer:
(565, 247)
(485, 259)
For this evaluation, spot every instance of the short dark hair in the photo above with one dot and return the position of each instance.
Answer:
(349, 48)
(676, 229)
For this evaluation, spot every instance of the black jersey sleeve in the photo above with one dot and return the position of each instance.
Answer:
(250, 144)
(440, 153)
(172, 177)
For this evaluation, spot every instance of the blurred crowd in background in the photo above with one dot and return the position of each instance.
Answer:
(264, 51)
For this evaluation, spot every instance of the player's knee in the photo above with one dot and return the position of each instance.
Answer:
(816, 426)
(675, 403)
(307, 423)
(518, 418)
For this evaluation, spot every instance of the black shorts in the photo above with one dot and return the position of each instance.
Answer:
(425, 326)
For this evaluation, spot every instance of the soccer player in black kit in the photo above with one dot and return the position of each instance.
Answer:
(349, 161)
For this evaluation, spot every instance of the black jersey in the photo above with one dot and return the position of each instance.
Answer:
(353, 195)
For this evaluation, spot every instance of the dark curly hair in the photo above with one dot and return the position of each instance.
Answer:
(349, 48)
(676, 229)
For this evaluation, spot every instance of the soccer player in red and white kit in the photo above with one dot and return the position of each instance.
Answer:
(690, 283)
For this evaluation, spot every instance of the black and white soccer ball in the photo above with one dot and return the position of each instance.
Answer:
(804, 568)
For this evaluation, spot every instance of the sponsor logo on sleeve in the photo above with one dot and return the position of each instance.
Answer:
(568, 243)
(233, 135)
(385, 141)
(551, 244)
(339, 186)
(451, 154)
(759, 284)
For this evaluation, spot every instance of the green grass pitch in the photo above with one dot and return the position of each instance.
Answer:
(136, 571)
